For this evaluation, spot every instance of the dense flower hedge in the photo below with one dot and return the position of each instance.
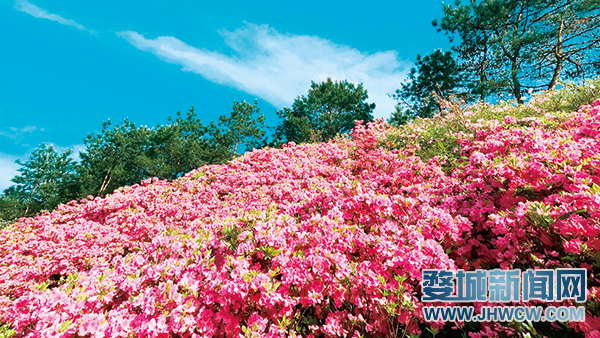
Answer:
(312, 240)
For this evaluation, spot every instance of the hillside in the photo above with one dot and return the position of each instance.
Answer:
(320, 239)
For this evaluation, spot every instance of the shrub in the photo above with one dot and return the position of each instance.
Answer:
(319, 239)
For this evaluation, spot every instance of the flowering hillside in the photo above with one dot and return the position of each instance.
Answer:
(316, 239)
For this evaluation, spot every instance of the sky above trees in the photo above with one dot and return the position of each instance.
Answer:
(66, 66)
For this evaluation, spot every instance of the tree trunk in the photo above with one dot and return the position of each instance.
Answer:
(105, 182)
(515, 78)
(31, 197)
(483, 76)
(558, 53)
(235, 145)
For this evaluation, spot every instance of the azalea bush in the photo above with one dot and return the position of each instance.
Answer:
(437, 136)
(317, 240)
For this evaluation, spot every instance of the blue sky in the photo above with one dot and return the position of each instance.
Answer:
(66, 66)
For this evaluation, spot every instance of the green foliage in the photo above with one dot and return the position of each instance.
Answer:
(510, 46)
(6, 331)
(46, 179)
(436, 136)
(127, 154)
(572, 95)
(114, 158)
(436, 73)
(474, 53)
(242, 128)
(400, 116)
(183, 144)
(10, 210)
(571, 31)
(329, 108)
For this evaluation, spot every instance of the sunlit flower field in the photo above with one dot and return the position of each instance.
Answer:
(318, 240)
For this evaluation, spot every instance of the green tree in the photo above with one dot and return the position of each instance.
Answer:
(46, 179)
(127, 154)
(241, 128)
(183, 144)
(495, 39)
(329, 108)
(433, 75)
(10, 210)
(571, 30)
(515, 45)
(475, 56)
(115, 158)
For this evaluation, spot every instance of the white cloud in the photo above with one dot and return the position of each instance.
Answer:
(27, 129)
(31, 9)
(8, 170)
(279, 67)
(14, 133)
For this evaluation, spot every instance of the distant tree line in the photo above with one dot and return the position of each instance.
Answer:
(125, 154)
(503, 48)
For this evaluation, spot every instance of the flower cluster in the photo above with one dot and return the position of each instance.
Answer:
(309, 240)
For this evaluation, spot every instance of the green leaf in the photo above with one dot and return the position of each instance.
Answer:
(65, 326)
(6, 331)
(594, 189)
(534, 257)
(567, 215)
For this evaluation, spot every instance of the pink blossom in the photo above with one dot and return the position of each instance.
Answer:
(323, 237)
